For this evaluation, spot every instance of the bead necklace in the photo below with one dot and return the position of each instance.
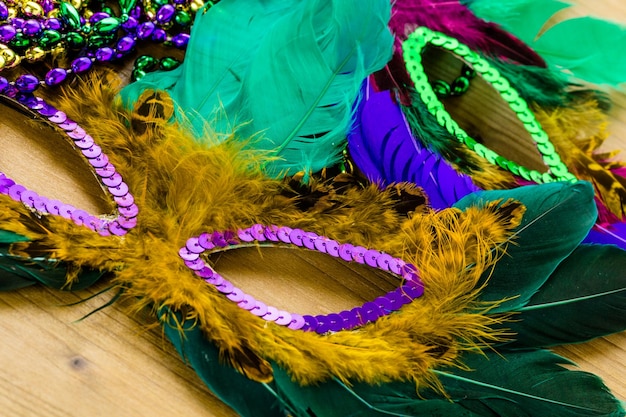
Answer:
(100, 38)
(411, 288)
(119, 223)
(413, 47)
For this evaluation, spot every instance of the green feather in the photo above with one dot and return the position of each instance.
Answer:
(247, 397)
(558, 217)
(584, 298)
(290, 70)
(527, 384)
(587, 47)
(18, 272)
(520, 384)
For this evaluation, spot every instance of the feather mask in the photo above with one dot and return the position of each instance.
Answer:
(572, 120)
(417, 359)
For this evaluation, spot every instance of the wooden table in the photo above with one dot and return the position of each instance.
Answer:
(109, 364)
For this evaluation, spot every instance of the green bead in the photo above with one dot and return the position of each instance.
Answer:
(182, 18)
(106, 25)
(146, 63)
(127, 5)
(75, 40)
(160, 2)
(49, 38)
(20, 41)
(108, 10)
(98, 41)
(168, 63)
(70, 14)
(137, 75)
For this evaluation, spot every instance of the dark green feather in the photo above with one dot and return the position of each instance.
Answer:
(558, 217)
(247, 397)
(18, 272)
(584, 298)
(528, 384)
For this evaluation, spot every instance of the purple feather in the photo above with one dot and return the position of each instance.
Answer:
(382, 147)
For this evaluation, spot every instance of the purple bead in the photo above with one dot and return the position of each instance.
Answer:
(32, 27)
(96, 17)
(47, 5)
(136, 12)
(181, 40)
(104, 54)
(18, 22)
(130, 24)
(10, 91)
(53, 24)
(165, 13)
(27, 83)
(159, 35)
(55, 76)
(125, 44)
(145, 30)
(4, 11)
(81, 64)
(180, 1)
(4, 85)
(7, 32)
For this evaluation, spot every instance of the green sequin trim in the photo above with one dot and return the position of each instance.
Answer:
(413, 47)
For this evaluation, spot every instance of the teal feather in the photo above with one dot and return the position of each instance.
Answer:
(290, 70)
(584, 298)
(589, 48)
(558, 217)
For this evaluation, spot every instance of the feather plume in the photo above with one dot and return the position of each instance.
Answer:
(288, 69)
(584, 298)
(585, 47)
(538, 250)
(382, 147)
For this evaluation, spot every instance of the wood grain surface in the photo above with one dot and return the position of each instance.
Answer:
(112, 363)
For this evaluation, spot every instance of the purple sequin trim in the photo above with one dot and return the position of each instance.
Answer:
(411, 288)
(126, 209)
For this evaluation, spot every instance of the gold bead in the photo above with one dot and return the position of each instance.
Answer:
(53, 13)
(2, 62)
(196, 5)
(12, 12)
(78, 4)
(12, 60)
(34, 54)
(87, 14)
(32, 9)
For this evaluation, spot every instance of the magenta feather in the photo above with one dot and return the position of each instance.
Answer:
(453, 19)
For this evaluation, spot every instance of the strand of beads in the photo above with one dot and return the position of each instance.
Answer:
(97, 36)
(410, 289)
(125, 217)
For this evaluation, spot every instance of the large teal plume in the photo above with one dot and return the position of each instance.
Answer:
(287, 71)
